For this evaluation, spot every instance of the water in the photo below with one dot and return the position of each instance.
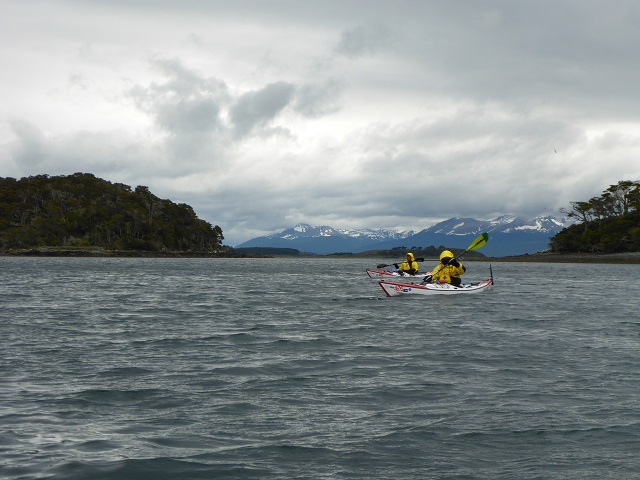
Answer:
(296, 369)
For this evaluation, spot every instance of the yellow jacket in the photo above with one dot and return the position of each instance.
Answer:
(446, 273)
(409, 266)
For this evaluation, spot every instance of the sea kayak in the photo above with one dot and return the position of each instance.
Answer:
(393, 273)
(393, 289)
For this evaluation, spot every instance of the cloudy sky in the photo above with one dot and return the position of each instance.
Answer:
(262, 114)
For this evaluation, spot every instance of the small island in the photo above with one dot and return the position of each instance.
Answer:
(82, 215)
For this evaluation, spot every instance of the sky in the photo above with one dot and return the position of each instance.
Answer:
(262, 114)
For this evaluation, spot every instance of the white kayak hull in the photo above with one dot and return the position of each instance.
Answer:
(394, 289)
(393, 274)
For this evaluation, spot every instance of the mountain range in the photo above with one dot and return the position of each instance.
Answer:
(508, 235)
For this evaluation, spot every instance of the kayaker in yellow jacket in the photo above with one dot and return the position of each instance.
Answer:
(409, 266)
(448, 271)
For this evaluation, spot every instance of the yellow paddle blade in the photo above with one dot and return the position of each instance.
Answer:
(479, 242)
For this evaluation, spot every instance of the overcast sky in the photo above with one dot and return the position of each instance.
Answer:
(350, 113)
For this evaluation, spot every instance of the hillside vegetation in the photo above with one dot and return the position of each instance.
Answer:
(81, 210)
(609, 223)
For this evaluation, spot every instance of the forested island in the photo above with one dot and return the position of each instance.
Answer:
(606, 224)
(83, 213)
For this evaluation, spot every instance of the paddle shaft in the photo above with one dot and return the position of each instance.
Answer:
(383, 265)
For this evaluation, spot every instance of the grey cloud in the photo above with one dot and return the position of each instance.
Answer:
(257, 108)
(318, 99)
(185, 102)
(573, 56)
(190, 108)
(186, 82)
(30, 148)
(103, 154)
(201, 115)
(363, 40)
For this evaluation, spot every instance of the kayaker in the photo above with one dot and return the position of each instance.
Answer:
(409, 266)
(448, 271)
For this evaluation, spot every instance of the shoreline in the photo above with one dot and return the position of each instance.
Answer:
(101, 253)
(542, 257)
(615, 258)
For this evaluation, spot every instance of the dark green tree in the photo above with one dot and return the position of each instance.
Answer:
(608, 223)
(82, 210)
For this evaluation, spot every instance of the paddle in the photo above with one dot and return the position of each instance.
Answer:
(479, 242)
(383, 265)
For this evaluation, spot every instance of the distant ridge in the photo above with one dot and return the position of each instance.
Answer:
(508, 235)
(268, 251)
(324, 239)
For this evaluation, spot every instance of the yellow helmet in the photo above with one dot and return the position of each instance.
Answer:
(446, 254)
(410, 256)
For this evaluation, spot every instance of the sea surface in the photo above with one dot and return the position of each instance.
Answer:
(114, 368)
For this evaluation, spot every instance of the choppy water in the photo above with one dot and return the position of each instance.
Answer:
(283, 369)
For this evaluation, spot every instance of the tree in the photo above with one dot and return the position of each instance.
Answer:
(623, 196)
(608, 223)
(81, 209)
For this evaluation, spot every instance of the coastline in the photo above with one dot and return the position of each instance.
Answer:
(102, 253)
(541, 257)
(546, 257)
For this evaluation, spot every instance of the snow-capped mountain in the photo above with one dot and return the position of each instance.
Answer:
(303, 230)
(504, 224)
(324, 239)
(508, 235)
